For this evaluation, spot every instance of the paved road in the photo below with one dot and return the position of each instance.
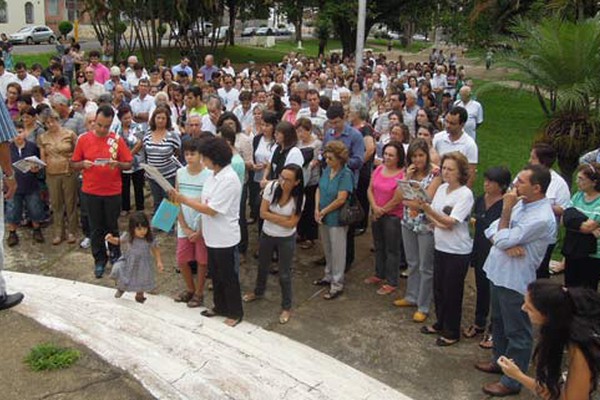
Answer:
(46, 48)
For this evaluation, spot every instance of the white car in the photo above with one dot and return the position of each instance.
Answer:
(219, 35)
(33, 34)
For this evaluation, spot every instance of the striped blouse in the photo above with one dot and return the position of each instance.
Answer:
(160, 155)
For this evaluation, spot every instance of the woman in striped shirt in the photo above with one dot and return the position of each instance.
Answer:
(161, 146)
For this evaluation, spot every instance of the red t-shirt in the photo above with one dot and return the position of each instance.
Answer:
(101, 180)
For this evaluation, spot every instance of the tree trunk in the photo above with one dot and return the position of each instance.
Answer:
(232, 13)
(298, 26)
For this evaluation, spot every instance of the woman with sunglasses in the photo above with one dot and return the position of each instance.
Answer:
(281, 208)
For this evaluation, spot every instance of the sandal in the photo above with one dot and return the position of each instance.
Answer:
(197, 300)
(429, 330)
(321, 282)
(487, 342)
(330, 295)
(209, 313)
(373, 280)
(250, 297)
(443, 342)
(284, 317)
(472, 331)
(386, 289)
(183, 297)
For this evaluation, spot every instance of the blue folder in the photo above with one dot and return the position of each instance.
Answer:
(165, 216)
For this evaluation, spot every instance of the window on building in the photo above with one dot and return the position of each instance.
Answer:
(3, 13)
(29, 13)
(52, 7)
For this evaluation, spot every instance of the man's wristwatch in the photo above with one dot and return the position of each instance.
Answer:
(10, 177)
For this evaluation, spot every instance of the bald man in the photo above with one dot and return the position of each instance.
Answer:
(474, 110)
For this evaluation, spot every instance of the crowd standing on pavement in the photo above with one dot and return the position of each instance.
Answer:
(311, 150)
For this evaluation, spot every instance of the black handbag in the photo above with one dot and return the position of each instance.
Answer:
(351, 212)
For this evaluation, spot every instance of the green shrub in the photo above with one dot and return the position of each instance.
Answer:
(65, 27)
(48, 356)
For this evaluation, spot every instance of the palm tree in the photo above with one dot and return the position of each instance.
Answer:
(560, 61)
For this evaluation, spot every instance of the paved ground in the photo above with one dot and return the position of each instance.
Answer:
(360, 328)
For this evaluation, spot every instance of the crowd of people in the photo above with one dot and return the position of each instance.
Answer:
(310, 150)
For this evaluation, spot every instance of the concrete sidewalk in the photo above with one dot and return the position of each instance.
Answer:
(177, 354)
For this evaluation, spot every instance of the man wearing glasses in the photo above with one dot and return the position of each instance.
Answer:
(92, 89)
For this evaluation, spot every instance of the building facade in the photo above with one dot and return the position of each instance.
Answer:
(14, 14)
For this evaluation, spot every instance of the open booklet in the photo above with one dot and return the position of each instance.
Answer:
(157, 177)
(25, 164)
(412, 190)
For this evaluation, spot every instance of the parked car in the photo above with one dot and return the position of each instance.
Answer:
(265, 31)
(249, 31)
(33, 34)
(420, 37)
(219, 35)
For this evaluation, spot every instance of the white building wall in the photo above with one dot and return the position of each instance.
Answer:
(16, 15)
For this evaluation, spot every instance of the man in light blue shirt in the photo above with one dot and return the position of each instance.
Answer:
(520, 237)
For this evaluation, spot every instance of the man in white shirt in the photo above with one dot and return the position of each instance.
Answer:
(410, 111)
(228, 94)
(25, 79)
(454, 138)
(439, 83)
(142, 104)
(215, 109)
(474, 111)
(91, 88)
(314, 112)
(557, 193)
(129, 71)
(5, 78)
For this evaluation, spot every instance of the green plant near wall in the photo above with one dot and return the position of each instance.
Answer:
(48, 357)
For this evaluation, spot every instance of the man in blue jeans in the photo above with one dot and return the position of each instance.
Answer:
(7, 133)
(519, 241)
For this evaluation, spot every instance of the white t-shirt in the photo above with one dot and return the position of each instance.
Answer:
(262, 155)
(208, 126)
(191, 186)
(28, 83)
(5, 79)
(294, 156)
(222, 192)
(458, 205)
(558, 193)
(465, 145)
(230, 99)
(475, 116)
(271, 228)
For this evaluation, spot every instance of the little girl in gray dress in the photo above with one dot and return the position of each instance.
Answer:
(134, 270)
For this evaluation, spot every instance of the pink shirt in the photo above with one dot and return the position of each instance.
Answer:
(101, 73)
(384, 188)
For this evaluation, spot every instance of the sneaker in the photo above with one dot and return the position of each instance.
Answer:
(37, 235)
(13, 239)
(119, 293)
(86, 243)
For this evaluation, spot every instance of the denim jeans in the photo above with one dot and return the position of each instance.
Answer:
(285, 246)
(511, 330)
(387, 238)
(33, 203)
(419, 257)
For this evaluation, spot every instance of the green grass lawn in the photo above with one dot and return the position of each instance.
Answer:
(512, 119)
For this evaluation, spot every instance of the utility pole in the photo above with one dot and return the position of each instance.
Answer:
(360, 33)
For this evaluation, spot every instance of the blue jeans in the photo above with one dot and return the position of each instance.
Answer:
(34, 204)
(511, 330)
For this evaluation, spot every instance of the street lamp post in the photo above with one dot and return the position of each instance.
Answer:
(360, 34)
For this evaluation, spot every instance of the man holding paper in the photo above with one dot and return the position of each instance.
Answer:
(102, 155)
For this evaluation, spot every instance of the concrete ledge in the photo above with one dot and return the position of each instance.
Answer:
(177, 354)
